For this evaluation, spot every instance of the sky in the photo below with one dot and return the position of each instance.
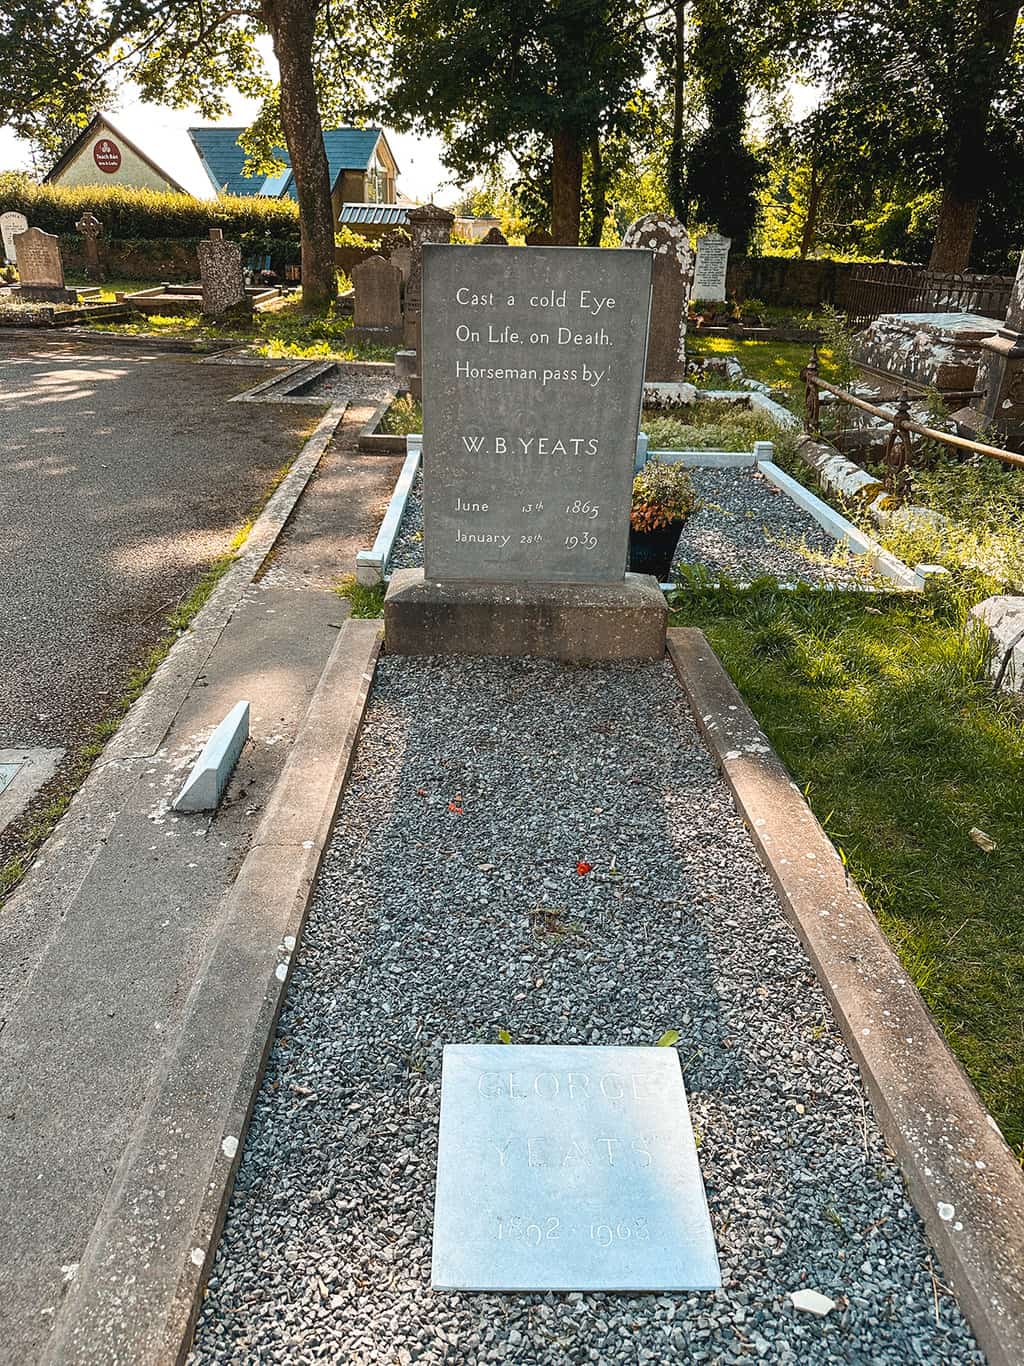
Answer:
(161, 134)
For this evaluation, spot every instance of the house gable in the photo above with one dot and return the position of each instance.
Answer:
(102, 155)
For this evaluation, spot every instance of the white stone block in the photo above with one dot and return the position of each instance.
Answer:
(1003, 618)
(210, 773)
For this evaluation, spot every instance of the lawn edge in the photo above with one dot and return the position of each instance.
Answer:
(141, 1279)
(928, 1110)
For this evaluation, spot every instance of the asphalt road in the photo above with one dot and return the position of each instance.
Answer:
(123, 475)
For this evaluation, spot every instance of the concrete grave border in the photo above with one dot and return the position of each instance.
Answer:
(371, 565)
(961, 1175)
(36, 765)
(291, 386)
(140, 1280)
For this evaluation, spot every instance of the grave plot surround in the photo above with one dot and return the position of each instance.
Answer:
(533, 366)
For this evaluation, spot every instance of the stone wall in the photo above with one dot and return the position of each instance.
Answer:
(144, 258)
(787, 282)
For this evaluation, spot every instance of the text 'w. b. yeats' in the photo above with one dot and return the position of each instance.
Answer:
(533, 364)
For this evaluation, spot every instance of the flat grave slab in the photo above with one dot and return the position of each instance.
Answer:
(568, 1168)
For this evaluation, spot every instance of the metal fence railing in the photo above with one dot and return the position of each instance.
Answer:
(876, 289)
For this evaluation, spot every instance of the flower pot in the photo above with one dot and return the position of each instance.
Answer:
(652, 552)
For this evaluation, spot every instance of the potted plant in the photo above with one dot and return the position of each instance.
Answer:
(663, 498)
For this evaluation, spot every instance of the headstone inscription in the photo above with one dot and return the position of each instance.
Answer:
(568, 1168)
(11, 223)
(378, 301)
(669, 240)
(40, 269)
(220, 269)
(533, 364)
(712, 264)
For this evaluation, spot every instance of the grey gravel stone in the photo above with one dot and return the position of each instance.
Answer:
(432, 924)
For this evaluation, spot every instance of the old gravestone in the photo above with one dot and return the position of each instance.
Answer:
(999, 418)
(427, 224)
(220, 269)
(568, 1168)
(90, 227)
(10, 224)
(378, 302)
(533, 363)
(712, 264)
(40, 269)
(669, 240)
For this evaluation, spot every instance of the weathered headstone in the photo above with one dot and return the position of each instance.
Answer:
(427, 224)
(669, 240)
(495, 238)
(40, 269)
(568, 1168)
(220, 269)
(533, 373)
(1000, 417)
(10, 224)
(90, 227)
(378, 301)
(712, 264)
(533, 365)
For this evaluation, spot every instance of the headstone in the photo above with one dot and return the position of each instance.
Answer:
(533, 364)
(90, 227)
(712, 264)
(669, 240)
(378, 301)
(427, 224)
(495, 238)
(1000, 418)
(539, 238)
(568, 1168)
(40, 269)
(10, 224)
(220, 269)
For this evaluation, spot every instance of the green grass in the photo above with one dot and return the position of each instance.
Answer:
(404, 416)
(364, 601)
(881, 712)
(287, 333)
(708, 425)
(775, 363)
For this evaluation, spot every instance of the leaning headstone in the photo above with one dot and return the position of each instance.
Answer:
(568, 1168)
(669, 240)
(10, 224)
(378, 301)
(712, 264)
(220, 269)
(427, 224)
(40, 269)
(90, 227)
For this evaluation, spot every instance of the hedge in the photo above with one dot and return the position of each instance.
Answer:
(128, 213)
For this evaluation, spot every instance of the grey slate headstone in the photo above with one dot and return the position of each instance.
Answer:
(568, 1168)
(38, 257)
(533, 365)
(378, 301)
(669, 240)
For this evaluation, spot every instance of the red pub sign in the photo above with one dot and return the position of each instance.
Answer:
(107, 156)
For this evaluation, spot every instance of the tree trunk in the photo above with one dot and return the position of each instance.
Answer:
(599, 193)
(566, 186)
(987, 30)
(291, 26)
(676, 151)
(811, 221)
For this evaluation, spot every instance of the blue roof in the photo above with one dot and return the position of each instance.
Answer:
(348, 149)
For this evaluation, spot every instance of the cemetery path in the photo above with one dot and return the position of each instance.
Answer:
(551, 852)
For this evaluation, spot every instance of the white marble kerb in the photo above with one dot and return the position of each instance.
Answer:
(568, 1168)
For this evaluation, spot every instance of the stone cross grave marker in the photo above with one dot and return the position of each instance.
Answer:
(40, 269)
(568, 1168)
(90, 227)
(220, 269)
(712, 264)
(533, 365)
(378, 302)
(670, 292)
(10, 224)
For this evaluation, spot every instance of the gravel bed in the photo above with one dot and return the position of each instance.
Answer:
(425, 930)
(340, 385)
(745, 528)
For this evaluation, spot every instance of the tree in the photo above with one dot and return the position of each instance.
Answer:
(60, 58)
(546, 81)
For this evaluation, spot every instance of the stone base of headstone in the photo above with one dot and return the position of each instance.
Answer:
(405, 368)
(567, 622)
(47, 294)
